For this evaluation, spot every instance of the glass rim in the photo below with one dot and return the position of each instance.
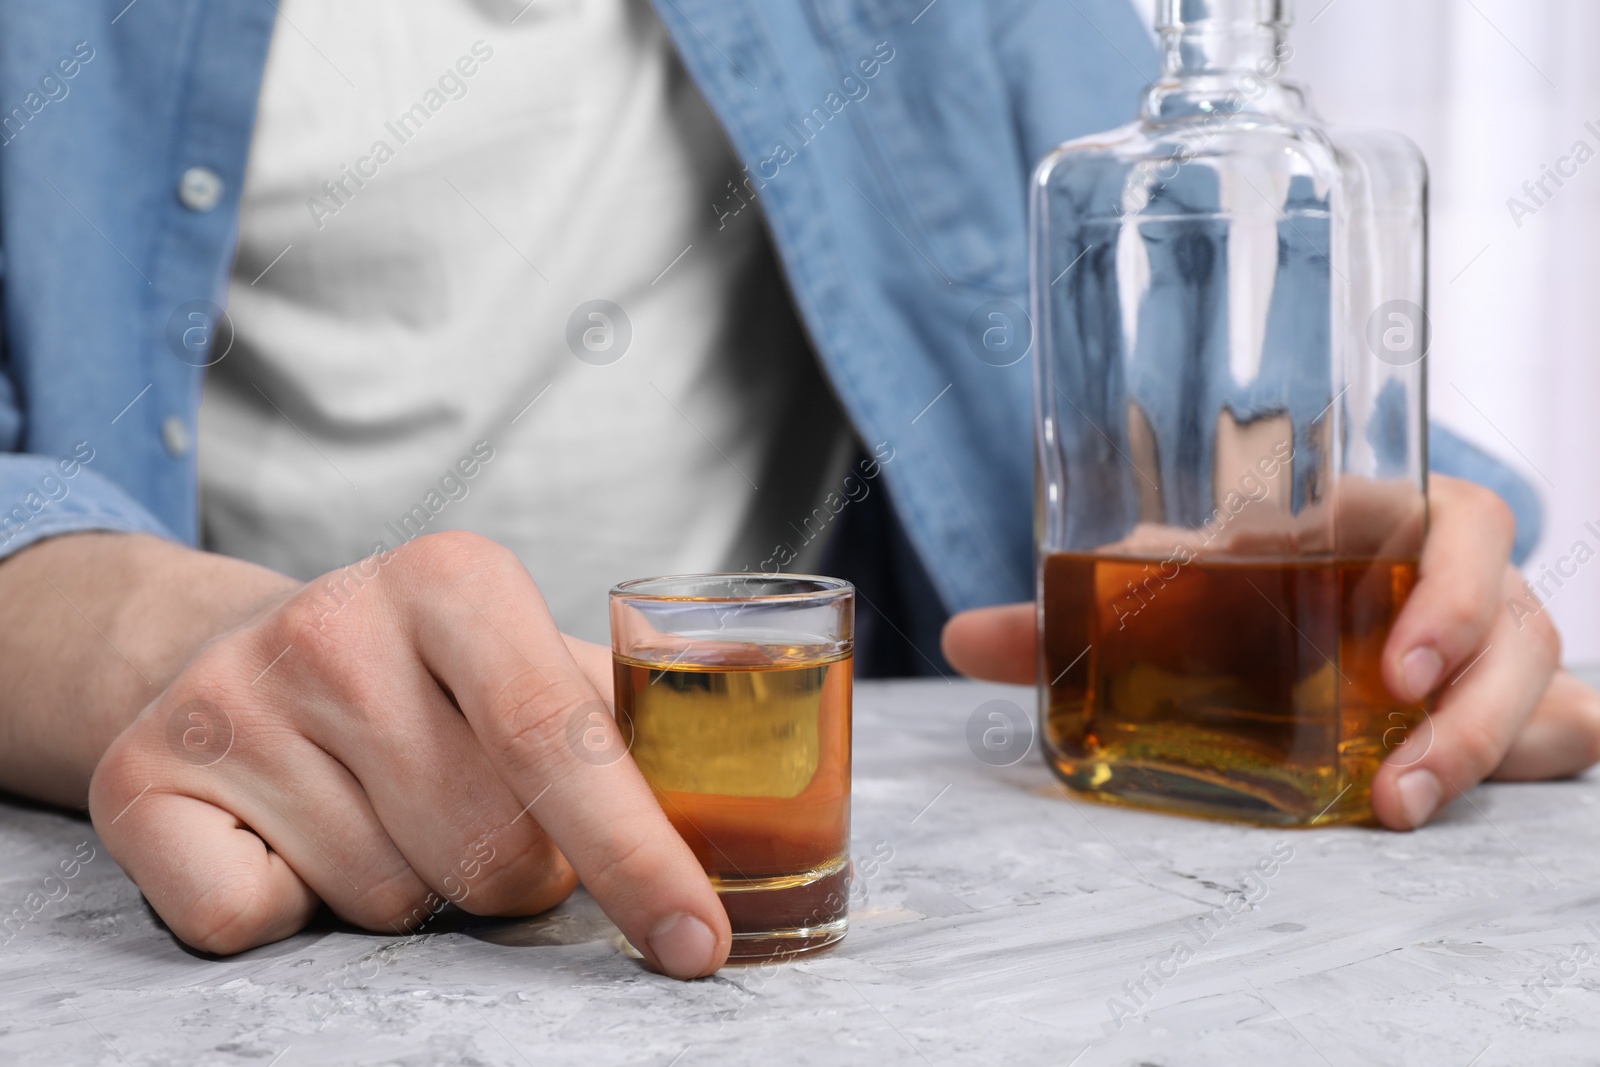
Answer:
(824, 588)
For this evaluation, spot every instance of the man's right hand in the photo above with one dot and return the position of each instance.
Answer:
(386, 737)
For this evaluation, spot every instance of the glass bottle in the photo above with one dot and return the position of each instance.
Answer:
(1231, 427)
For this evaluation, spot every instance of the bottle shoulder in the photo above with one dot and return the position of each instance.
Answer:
(1141, 142)
(1137, 161)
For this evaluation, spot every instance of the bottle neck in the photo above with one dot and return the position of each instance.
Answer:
(1223, 57)
(1221, 49)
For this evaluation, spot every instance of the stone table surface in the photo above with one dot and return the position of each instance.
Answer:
(1001, 923)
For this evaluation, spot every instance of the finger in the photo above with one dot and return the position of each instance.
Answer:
(484, 631)
(1449, 613)
(440, 800)
(307, 808)
(1561, 737)
(1471, 730)
(216, 885)
(595, 662)
(312, 811)
(998, 644)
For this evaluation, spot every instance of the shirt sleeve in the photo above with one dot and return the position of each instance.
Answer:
(44, 496)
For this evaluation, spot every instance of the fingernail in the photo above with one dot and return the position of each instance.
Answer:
(683, 945)
(1422, 667)
(1419, 796)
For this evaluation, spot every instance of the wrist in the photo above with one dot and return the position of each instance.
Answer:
(92, 627)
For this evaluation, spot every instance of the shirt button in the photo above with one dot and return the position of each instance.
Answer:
(175, 435)
(200, 189)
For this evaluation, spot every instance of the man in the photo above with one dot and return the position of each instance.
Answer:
(496, 266)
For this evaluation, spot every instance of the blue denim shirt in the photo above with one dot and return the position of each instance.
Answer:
(888, 143)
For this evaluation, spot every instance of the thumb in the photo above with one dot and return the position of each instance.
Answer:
(998, 644)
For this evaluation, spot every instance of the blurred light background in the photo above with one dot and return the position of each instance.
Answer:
(1496, 91)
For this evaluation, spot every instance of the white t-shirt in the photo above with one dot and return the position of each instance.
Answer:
(437, 196)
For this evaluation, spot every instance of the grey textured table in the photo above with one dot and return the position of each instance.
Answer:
(1002, 923)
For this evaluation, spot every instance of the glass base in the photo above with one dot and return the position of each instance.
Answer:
(784, 917)
(1179, 791)
(787, 915)
(778, 945)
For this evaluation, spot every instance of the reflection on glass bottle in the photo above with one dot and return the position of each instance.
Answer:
(1230, 301)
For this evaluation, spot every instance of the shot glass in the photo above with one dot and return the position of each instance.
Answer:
(733, 695)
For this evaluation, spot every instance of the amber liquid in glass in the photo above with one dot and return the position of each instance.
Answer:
(1232, 689)
(747, 748)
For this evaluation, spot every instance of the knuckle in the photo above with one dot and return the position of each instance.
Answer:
(559, 883)
(1533, 632)
(400, 902)
(1468, 613)
(498, 887)
(228, 920)
(219, 674)
(315, 638)
(632, 864)
(216, 672)
(453, 554)
(530, 717)
(166, 740)
(316, 619)
(1548, 637)
(1480, 750)
(123, 770)
(537, 878)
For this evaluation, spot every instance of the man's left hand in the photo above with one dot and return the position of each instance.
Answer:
(1470, 635)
